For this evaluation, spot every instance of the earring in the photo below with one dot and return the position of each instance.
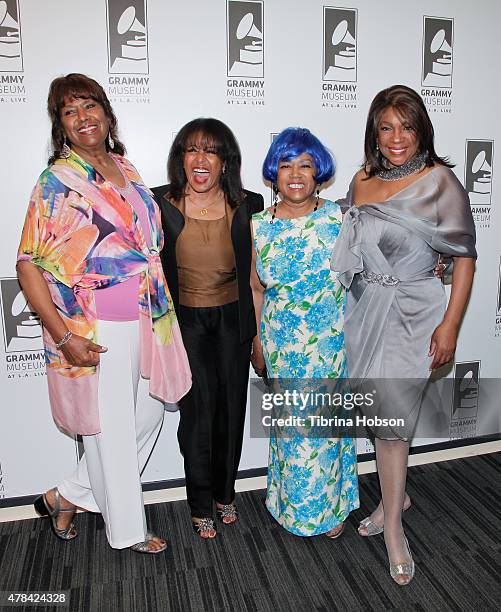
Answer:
(275, 203)
(224, 169)
(317, 197)
(377, 145)
(111, 142)
(65, 150)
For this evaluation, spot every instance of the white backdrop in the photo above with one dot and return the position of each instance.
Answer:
(288, 63)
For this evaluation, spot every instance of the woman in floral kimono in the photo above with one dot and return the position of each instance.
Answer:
(312, 479)
(89, 264)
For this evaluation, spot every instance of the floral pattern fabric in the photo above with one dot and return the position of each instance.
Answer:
(312, 481)
(84, 236)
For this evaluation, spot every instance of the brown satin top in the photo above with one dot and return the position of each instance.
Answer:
(206, 261)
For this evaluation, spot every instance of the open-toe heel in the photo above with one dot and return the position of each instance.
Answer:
(43, 508)
(227, 511)
(144, 547)
(403, 569)
(204, 525)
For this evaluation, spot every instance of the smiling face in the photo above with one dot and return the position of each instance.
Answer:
(296, 179)
(397, 139)
(202, 165)
(85, 124)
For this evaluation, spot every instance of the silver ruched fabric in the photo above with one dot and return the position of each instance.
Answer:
(388, 325)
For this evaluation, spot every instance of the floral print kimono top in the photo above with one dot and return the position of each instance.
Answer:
(84, 236)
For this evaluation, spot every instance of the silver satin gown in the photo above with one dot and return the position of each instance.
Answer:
(385, 255)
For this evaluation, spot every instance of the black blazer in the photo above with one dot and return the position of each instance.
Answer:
(173, 223)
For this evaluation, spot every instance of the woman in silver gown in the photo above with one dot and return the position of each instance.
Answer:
(404, 207)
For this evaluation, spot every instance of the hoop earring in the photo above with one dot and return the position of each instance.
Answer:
(65, 150)
(111, 142)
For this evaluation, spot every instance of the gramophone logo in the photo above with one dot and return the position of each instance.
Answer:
(245, 39)
(11, 54)
(127, 37)
(478, 171)
(466, 391)
(437, 52)
(340, 44)
(22, 329)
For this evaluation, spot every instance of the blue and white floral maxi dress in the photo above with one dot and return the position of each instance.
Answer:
(312, 481)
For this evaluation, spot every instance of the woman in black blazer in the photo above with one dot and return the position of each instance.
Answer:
(206, 259)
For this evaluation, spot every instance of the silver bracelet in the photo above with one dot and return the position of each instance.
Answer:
(64, 339)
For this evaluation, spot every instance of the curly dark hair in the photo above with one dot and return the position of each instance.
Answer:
(78, 86)
(410, 106)
(214, 133)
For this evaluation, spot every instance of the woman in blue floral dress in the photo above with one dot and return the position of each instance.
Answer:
(312, 480)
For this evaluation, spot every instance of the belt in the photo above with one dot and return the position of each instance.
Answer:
(386, 280)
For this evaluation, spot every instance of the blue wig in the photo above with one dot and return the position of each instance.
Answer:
(291, 143)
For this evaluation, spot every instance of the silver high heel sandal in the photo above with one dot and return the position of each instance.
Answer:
(372, 527)
(143, 547)
(403, 569)
(43, 508)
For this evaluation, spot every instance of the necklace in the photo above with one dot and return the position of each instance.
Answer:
(276, 204)
(413, 166)
(203, 211)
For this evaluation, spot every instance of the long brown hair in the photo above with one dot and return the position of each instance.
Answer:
(217, 134)
(409, 106)
(77, 85)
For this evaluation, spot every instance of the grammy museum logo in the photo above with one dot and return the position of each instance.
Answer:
(478, 172)
(437, 63)
(22, 332)
(245, 52)
(339, 66)
(12, 86)
(128, 59)
(465, 399)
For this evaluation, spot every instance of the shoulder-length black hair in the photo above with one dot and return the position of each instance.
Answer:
(207, 132)
(78, 86)
(410, 106)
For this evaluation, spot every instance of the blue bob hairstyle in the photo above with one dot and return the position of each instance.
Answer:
(291, 143)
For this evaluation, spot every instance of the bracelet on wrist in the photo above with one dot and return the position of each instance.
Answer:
(64, 339)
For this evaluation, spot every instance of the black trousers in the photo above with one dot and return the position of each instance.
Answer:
(212, 414)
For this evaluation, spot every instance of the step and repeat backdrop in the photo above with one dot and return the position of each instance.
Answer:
(259, 66)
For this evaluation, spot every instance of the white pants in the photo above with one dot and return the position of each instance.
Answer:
(108, 478)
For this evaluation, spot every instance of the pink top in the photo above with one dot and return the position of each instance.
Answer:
(119, 302)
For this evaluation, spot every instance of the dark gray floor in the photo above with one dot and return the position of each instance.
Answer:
(454, 530)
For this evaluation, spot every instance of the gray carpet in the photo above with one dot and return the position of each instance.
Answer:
(454, 530)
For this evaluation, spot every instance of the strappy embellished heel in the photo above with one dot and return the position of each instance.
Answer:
(144, 547)
(403, 569)
(227, 511)
(43, 508)
(204, 525)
